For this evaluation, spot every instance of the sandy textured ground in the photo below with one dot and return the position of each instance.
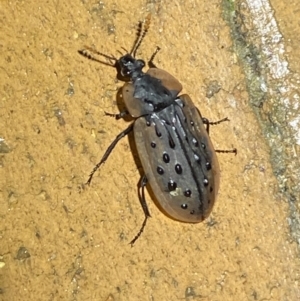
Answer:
(60, 241)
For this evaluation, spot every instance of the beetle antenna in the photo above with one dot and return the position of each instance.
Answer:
(85, 52)
(138, 36)
(123, 48)
(141, 32)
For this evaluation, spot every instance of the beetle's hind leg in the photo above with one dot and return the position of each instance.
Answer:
(141, 191)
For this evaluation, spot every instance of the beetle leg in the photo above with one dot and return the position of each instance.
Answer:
(208, 123)
(109, 150)
(118, 116)
(141, 191)
(150, 63)
(234, 151)
(219, 121)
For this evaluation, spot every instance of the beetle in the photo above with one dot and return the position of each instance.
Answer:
(171, 137)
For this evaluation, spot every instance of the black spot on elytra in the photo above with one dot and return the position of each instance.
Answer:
(166, 158)
(160, 170)
(197, 158)
(171, 142)
(172, 185)
(178, 169)
(188, 193)
(208, 165)
(158, 133)
(195, 142)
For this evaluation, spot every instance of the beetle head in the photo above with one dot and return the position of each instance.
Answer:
(129, 67)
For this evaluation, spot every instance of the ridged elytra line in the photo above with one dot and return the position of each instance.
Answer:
(185, 146)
